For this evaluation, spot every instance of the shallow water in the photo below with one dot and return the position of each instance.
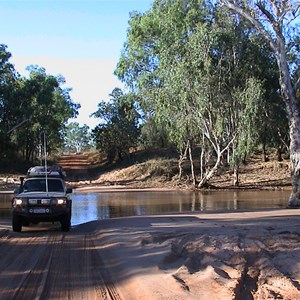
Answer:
(98, 206)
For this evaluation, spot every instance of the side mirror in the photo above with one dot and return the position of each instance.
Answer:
(69, 190)
(20, 188)
(17, 191)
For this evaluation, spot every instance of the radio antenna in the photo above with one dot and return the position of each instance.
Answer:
(45, 157)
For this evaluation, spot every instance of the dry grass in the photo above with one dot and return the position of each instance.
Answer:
(258, 174)
(154, 171)
(164, 172)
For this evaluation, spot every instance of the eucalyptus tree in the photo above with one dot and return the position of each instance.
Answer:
(8, 104)
(155, 42)
(191, 66)
(47, 108)
(221, 100)
(29, 106)
(272, 122)
(153, 135)
(277, 22)
(118, 129)
(77, 138)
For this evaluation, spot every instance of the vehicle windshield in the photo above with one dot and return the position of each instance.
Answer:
(39, 185)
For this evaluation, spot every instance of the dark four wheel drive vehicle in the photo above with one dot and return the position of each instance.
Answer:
(42, 197)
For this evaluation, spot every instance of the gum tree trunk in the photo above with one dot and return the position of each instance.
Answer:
(271, 19)
(294, 200)
(289, 96)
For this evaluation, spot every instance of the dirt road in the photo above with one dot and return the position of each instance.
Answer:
(47, 264)
(237, 255)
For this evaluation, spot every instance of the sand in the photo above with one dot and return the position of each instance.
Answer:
(209, 255)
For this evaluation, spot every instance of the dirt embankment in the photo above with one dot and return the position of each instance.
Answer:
(162, 172)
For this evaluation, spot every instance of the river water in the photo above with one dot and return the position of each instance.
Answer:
(104, 205)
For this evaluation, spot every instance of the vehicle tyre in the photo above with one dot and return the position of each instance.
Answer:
(65, 223)
(26, 223)
(17, 223)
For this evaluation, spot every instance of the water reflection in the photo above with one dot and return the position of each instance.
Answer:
(98, 206)
(5, 205)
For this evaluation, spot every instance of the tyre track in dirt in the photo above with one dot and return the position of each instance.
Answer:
(54, 265)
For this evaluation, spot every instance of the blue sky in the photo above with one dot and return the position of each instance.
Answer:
(79, 39)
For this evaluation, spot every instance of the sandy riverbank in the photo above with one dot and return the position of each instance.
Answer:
(209, 255)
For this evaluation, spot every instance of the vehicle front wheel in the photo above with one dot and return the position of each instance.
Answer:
(26, 223)
(65, 223)
(16, 223)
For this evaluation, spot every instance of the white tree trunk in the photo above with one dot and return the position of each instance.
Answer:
(204, 181)
(181, 160)
(289, 97)
(294, 200)
(192, 163)
(274, 13)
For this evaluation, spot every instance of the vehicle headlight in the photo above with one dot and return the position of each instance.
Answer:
(61, 201)
(18, 201)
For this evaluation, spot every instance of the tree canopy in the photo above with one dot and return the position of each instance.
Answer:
(118, 130)
(206, 77)
(29, 106)
(77, 138)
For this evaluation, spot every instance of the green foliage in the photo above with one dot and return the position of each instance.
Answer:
(247, 134)
(152, 134)
(118, 130)
(155, 43)
(29, 106)
(199, 72)
(47, 108)
(8, 104)
(77, 138)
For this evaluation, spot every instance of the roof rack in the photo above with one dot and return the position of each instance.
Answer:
(51, 171)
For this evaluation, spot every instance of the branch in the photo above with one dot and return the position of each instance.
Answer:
(17, 126)
(296, 79)
(266, 12)
(228, 144)
(276, 24)
(274, 5)
(207, 134)
(296, 11)
(251, 19)
(297, 85)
